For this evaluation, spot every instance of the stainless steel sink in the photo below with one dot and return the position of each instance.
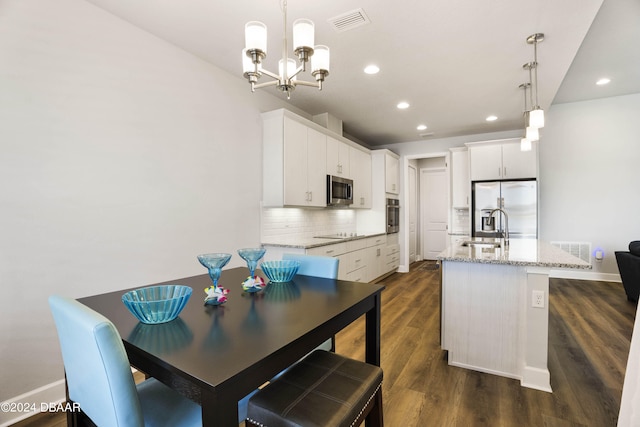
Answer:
(482, 243)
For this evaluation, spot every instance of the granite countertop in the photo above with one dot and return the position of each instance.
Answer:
(312, 242)
(520, 252)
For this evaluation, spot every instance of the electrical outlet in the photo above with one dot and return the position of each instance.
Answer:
(537, 299)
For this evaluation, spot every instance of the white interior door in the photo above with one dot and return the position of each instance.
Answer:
(413, 213)
(433, 206)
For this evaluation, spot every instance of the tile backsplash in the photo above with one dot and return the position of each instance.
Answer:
(303, 223)
(460, 221)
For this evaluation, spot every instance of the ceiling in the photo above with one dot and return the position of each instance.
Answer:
(454, 61)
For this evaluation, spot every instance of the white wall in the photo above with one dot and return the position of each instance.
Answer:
(589, 158)
(121, 158)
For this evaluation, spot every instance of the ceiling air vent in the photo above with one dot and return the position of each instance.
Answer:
(426, 135)
(349, 20)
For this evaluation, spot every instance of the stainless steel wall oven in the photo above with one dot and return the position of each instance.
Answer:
(393, 215)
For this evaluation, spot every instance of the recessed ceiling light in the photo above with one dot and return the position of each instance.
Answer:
(603, 81)
(403, 105)
(372, 69)
(491, 118)
(421, 127)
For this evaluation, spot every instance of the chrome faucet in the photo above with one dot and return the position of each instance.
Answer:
(506, 224)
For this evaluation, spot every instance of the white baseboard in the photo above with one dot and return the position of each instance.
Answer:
(44, 398)
(31, 403)
(585, 275)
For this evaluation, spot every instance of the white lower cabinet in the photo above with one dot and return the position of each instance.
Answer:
(361, 260)
(393, 252)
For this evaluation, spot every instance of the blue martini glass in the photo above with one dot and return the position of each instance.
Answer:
(214, 263)
(252, 256)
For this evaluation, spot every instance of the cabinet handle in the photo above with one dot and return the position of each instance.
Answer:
(329, 251)
(505, 171)
(499, 171)
(310, 196)
(378, 252)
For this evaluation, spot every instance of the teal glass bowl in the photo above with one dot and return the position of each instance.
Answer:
(157, 304)
(280, 271)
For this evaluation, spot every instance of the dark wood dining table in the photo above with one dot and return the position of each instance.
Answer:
(217, 355)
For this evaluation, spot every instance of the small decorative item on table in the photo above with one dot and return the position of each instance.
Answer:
(214, 262)
(157, 304)
(280, 271)
(253, 284)
(252, 256)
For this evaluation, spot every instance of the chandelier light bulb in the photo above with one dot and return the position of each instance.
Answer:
(255, 36)
(303, 34)
(532, 134)
(291, 69)
(247, 64)
(525, 144)
(320, 59)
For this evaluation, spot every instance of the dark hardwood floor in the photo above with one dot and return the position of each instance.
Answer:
(590, 325)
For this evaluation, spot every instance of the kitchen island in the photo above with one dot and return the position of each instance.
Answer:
(495, 306)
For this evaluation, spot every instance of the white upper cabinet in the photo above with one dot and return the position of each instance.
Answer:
(299, 154)
(502, 161)
(338, 158)
(392, 173)
(294, 166)
(519, 164)
(360, 168)
(460, 183)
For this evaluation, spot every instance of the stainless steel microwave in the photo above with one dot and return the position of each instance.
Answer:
(339, 191)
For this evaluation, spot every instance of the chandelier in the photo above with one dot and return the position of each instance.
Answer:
(286, 80)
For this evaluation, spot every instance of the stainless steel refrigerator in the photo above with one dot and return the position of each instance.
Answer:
(519, 199)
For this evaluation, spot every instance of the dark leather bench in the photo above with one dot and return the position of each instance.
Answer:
(323, 389)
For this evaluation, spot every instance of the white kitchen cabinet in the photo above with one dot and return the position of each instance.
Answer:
(460, 183)
(392, 173)
(376, 256)
(294, 169)
(361, 260)
(519, 164)
(502, 161)
(298, 154)
(360, 167)
(337, 158)
(392, 251)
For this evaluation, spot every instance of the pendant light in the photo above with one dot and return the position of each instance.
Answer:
(536, 115)
(525, 143)
(532, 131)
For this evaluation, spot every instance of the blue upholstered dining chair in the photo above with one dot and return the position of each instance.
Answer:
(313, 265)
(310, 265)
(318, 266)
(99, 376)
